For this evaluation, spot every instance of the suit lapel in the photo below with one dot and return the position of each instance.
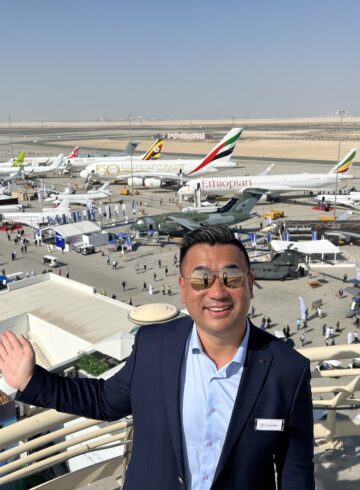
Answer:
(173, 349)
(255, 371)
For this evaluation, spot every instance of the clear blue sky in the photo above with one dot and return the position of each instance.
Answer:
(88, 59)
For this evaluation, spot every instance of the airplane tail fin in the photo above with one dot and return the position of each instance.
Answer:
(73, 154)
(221, 153)
(63, 205)
(104, 186)
(154, 151)
(267, 170)
(129, 149)
(19, 160)
(57, 162)
(345, 164)
(244, 204)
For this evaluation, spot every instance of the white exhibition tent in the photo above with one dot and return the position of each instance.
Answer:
(312, 249)
(71, 230)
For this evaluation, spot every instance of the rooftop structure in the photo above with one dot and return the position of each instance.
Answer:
(62, 317)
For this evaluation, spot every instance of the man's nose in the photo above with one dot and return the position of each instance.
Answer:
(218, 289)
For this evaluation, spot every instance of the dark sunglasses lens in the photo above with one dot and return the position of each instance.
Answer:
(232, 278)
(204, 279)
(201, 279)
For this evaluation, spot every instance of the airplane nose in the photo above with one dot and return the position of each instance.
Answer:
(84, 174)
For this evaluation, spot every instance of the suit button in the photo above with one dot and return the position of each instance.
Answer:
(180, 480)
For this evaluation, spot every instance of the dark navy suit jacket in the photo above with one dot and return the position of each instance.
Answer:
(275, 384)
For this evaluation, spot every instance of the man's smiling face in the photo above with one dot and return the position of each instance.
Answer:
(218, 310)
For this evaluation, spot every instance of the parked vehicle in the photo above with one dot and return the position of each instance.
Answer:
(85, 249)
(51, 260)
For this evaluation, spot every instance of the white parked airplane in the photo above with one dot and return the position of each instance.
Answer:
(76, 164)
(35, 219)
(14, 162)
(46, 161)
(348, 200)
(21, 172)
(22, 160)
(10, 173)
(277, 183)
(92, 195)
(41, 171)
(155, 174)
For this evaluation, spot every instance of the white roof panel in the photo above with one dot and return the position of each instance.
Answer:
(307, 247)
(75, 229)
(70, 306)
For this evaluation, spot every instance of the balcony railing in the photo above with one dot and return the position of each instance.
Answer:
(332, 390)
(29, 457)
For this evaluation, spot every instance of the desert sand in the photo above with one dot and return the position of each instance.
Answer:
(298, 138)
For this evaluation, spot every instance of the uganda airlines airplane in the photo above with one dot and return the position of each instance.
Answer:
(276, 183)
(156, 174)
(76, 164)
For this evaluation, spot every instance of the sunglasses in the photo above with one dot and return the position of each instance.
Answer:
(231, 277)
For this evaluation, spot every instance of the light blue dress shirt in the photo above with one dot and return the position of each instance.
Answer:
(207, 397)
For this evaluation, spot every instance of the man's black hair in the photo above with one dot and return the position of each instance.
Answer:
(211, 235)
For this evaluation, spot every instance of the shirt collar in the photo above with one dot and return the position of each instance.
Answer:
(239, 357)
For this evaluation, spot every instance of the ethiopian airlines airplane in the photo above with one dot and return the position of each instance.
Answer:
(277, 183)
(156, 174)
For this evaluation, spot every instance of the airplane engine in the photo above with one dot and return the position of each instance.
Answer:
(152, 183)
(135, 181)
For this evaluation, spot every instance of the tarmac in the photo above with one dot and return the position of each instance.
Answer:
(278, 300)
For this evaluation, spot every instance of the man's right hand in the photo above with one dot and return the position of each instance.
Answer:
(17, 360)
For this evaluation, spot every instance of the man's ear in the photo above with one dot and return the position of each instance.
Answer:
(251, 284)
(182, 289)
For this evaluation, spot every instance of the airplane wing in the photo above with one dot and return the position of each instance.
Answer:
(187, 223)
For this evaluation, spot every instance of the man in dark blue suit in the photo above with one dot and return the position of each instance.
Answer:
(217, 403)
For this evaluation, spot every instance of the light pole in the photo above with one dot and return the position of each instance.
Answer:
(11, 138)
(341, 113)
(131, 158)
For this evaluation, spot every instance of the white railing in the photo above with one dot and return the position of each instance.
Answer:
(334, 396)
(21, 460)
(24, 459)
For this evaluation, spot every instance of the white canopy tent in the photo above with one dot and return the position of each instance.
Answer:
(313, 250)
